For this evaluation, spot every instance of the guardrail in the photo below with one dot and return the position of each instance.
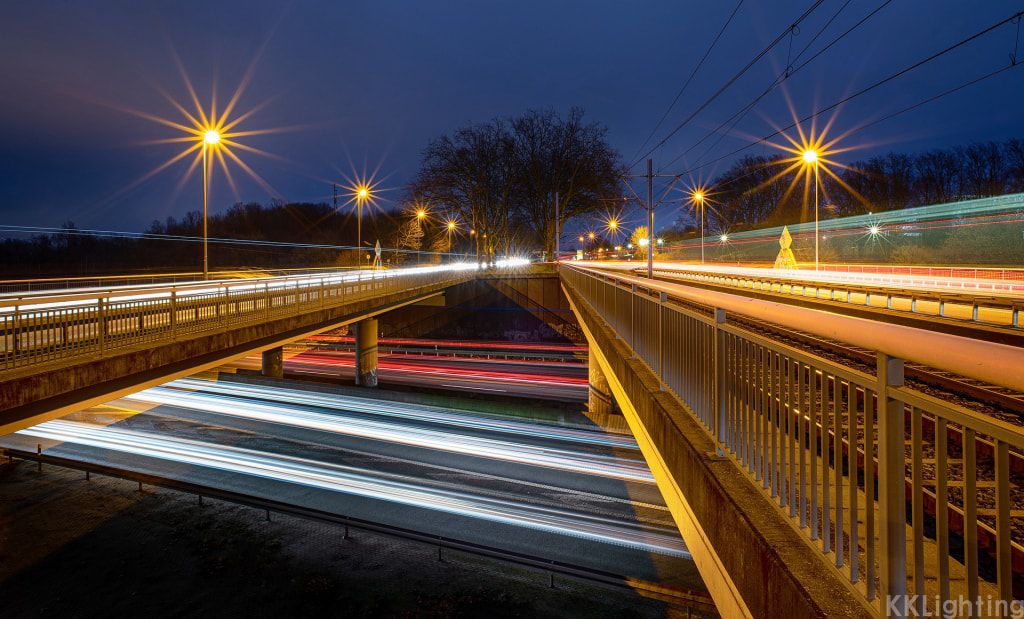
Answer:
(43, 328)
(955, 303)
(842, 453)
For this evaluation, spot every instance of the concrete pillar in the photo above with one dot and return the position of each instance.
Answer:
(273, 363)
(600, 396)
(366, 352)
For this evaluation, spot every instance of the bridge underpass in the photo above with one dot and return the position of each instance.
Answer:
(66, 351)
(791, 476)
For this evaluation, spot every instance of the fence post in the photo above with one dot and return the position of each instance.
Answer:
(101, 321)
(892, 504)
(662, 298)
(632, 320)
(720, 365)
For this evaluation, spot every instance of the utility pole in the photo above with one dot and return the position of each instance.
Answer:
(650, 219)
(557, 235)
(334, 187)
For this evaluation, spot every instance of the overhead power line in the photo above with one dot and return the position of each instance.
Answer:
(689, 79)
(862, 91)
(787, 73)
(731, 80)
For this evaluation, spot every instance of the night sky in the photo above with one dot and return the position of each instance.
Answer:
(365, 85)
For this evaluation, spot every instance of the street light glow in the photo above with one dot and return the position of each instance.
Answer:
(451, 225)
(698, 196)
(420, 214)
(724, 238)
(810, 156)
(644, 242)
(211, 137)
(873, 230)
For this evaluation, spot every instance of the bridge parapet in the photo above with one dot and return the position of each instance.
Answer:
(853, 464)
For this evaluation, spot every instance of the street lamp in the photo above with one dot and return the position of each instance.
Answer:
(810, 157)
(451, 228)
(698, 199)
(211, 137)
(362, 194)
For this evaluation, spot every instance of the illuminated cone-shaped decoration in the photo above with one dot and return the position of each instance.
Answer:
(785, 259)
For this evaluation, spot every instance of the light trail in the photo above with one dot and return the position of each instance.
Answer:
(921, 282)
(85, 297)
(396, 410)
(349, 480)
(470, 344)
(321, 358)
(296, 416)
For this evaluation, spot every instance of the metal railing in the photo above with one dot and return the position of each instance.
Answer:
(903, 493)
(956, 303)
(37, 329)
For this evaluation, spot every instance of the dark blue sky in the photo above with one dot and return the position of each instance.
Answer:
(372, 82)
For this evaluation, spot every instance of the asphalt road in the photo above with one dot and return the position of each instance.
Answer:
(563, 493)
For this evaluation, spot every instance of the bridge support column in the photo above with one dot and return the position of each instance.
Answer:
(599, 393)
(366, 352)
(273, 363)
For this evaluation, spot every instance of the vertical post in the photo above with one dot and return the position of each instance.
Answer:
(599, 398)
(892, 505)
(101, 323)
(206, 271)
(650, 218)
(273, 363)
(558, 236)
(720, 379)
(815, 214)
(366, 352)
(662, 298)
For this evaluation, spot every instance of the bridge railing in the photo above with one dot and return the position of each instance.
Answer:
(44, 328)
(902, 492)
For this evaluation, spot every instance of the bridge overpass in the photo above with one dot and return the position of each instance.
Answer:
(799, 482)
(65, 350)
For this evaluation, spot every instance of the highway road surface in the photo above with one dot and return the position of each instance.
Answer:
(564, 381)
(563, 492)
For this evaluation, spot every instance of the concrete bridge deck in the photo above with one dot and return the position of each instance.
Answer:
(59, 352)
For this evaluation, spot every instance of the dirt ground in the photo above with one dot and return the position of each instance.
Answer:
(76, 548)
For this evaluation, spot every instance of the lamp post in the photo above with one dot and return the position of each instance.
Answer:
(698, 199)
(362, 193)
(451, 228)
(210, 138)
(810, 157)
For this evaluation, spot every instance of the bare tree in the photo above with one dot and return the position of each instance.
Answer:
(564, 156)
(500, 177)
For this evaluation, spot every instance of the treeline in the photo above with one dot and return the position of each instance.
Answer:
(74, 252)
(752, 193)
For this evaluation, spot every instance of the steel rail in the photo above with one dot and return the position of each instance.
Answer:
(35, 330)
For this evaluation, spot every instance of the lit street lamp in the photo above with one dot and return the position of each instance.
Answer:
(698, 199)
(210, 138)
(810, 157)
(362, 195)
(451, 225)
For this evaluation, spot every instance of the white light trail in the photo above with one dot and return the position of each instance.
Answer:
(340, 478)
